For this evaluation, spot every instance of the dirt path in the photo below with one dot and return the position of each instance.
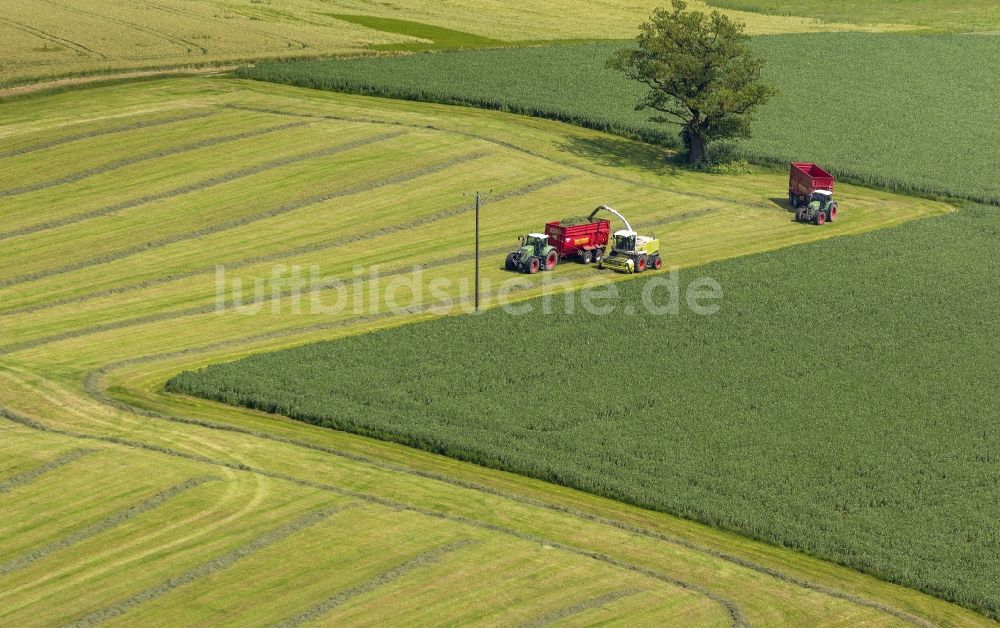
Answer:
(30, 88)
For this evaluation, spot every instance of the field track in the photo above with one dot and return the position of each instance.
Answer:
(175, 503)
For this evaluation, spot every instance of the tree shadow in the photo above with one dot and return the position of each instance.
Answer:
(620, 152)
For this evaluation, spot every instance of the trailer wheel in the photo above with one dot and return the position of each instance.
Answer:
(598, 255)
(793, 201)
(587, 257)
(658, 263)
(534, 264)
(821, 219)
(551, 260)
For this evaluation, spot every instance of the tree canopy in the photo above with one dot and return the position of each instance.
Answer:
(701, 73)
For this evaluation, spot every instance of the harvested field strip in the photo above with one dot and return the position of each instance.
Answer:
(92, 385)
(29, 476)
(133, 126)
(731, 608)
(581, 607)
(193, 187)
(222, 562)
(102, 526)
(422, 560)
(272, 257)
(246, 220)
(137, 159)
(142, 28)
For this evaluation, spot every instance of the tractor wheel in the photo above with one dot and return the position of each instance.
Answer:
(509, 263)
(534, 264)
(798, 216)
(640, 264)
(658, 263)
(832, 213)
(551, 260)
(587, 257)
(821, 219)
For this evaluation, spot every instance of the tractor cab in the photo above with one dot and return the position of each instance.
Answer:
(823, 197)
(625, 241)
(537, 242)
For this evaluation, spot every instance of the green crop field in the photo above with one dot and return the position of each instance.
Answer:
(820, 408)
(951, 15)
(945, 145)
(47, 38)
(122, 503)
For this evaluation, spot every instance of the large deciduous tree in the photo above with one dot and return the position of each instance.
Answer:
(700, 72)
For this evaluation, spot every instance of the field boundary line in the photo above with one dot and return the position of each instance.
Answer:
(251, 218)
(423, 559)
(323, 245)
(137, 159)
(208, 568)
(580, 607)
(204, 184)
(133, 126)
(732, 609)
(93, 388)
(104, 525)
(29, 476)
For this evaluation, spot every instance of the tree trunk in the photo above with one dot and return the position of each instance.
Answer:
(696, 147)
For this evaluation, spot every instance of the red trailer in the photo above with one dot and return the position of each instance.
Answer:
(586, 242)
(804, 179)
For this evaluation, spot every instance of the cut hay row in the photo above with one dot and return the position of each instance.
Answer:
(111, 522)
(323, 608)
(132, 126)
(580, 607)
(202, 185)
(29, 476)
(731, 608)
(251, 218)
(138, 159)
(206, 569)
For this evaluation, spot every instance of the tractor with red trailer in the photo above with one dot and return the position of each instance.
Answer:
(810, 193)
(534, 254)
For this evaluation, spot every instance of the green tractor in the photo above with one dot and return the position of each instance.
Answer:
(820, 210)
(535, 254)
(630, 252)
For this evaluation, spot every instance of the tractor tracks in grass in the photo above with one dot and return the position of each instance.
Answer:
(59, 41)
(580, 607)
(92, 386)
(104, 525)
(29, 476)
(124, 128)
(198, 186)
(425, 559)
(206, 569)
(732, 609)
(251, 218)
(156, 154)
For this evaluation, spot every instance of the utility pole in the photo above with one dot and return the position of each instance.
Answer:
(477, 251)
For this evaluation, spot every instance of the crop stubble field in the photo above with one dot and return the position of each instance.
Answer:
(50, 38)
(108, 289)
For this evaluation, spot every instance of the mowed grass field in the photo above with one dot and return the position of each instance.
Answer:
(47, 38)
(944, 146)
(121, 503)
(949, 15)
